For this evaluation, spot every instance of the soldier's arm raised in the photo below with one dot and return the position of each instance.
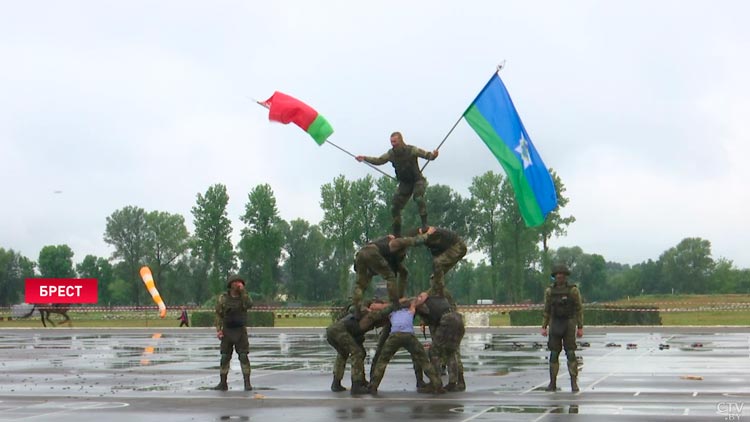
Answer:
(378, 160)
(424, 154)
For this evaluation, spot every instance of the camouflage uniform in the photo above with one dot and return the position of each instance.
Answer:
(231, 319)
(407, 340)
(376, 258)
(347, 336)
(563, 313)
(447, 330)
(411, 182)
(447, 249)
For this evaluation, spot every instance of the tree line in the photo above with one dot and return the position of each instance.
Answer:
(312, 263)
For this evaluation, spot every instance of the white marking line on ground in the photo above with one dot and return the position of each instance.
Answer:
(253, 376)
(638, 393)
(478, 414)
(543, 415)
(695, 393)
(686, 412)
(91, 406)
(591, 386)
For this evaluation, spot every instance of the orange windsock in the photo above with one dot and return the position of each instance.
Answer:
(148, 280)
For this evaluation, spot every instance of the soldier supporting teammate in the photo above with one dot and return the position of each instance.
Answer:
(402, 335)
(447, 249)
(347, 336)
(411, 182)
(447, 330)
(231, 329)
(380, 257)
(563, 313)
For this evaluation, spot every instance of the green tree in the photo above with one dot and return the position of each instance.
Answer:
(166, 239)
(518, 245)
(100, 269)
(56, 262)
(127, 232)
(339, 225)
(365, 207)
(306, 250)
(554, 224)
(262, 239)
(687, 267)
(484, 222)
(14, 270)
(212, 241)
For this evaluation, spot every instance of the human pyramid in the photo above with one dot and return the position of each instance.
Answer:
(385, 257)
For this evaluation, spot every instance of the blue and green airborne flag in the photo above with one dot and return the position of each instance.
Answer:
(495, 119)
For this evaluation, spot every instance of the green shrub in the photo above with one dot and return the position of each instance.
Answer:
(606, 315)
(254, 319)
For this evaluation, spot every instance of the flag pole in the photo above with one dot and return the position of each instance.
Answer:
(264, 105)
(372, 166)
(499, 68)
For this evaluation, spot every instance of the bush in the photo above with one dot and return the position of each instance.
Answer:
(254, 319)
(607, 315)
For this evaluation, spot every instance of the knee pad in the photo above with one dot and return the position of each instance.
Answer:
(554, 357)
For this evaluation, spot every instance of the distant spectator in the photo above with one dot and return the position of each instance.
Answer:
(184, 320)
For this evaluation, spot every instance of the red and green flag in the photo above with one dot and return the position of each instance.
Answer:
(285, 109)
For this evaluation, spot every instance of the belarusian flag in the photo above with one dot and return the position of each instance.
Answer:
(285, 109)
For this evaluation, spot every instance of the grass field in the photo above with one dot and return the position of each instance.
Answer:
(737, 317)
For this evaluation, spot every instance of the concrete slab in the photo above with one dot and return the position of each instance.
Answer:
(117, 375)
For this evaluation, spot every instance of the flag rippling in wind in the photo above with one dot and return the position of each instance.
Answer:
(285, 109)
(494, 118)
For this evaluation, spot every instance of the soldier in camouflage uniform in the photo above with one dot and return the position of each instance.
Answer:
(411, 182)
(563, 313)
(381, 257)
(402, 335)
(447, 330)
(447, 249)
(347, 336)
(231, 329)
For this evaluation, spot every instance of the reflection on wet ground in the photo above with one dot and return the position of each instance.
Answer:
(44, 371)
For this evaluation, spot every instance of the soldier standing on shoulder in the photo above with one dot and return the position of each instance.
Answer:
(411, 182)
(382, 257)
(563, 313)
(231, 329)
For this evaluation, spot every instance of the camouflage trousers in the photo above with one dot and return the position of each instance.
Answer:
(562, 335)
(346, 346)
(401, 197)
(235, 339)
(446, 344)
(412, 345)
(442, 263)
(367, 263)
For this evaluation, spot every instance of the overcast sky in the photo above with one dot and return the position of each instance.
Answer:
(642, 107)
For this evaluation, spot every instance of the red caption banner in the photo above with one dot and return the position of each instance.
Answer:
(62, 290)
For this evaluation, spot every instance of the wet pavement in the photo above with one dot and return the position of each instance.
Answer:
(628, 374)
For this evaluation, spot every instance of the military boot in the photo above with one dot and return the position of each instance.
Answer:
(573, 371)
(222, 385)
(246, 379)
(461, 384)
(554, 367)
(360, 388)
(336, 386)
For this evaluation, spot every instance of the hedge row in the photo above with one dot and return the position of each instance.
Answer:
(254, 319)
(610, 315)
